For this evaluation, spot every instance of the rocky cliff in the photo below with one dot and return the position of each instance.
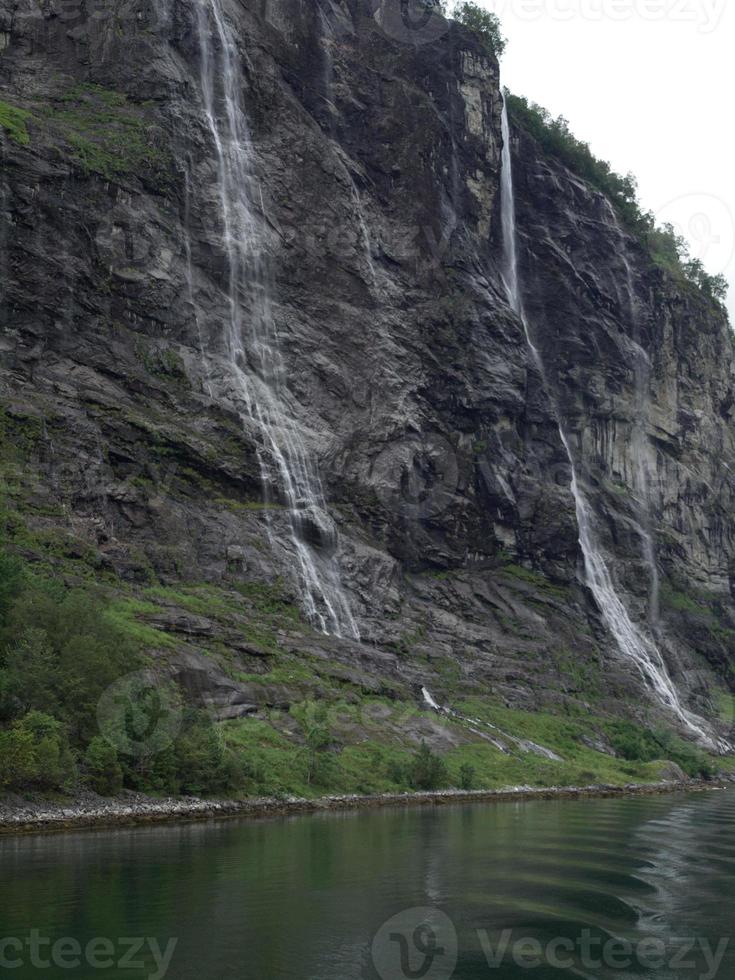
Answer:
(442, 512)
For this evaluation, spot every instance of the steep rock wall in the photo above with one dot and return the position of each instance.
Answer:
(378, 162)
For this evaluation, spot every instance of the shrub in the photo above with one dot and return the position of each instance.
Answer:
(103, 768)
(397, 773)
(204, 765)
(60, 653)
(427, 770)
(31, 671)
(482, 22)
(466, 776)
(13, 121)
(11, 581)
(320, 763)
(35, 751)
(637, 744)
(17, 759)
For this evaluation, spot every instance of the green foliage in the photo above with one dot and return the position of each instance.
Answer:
(702, 613)
(161, 361)
(427, 770)
(31, 672)
(124, 615)
(479, 20)
(536, 579)
(361, 756)
(107, 134)
(18, 766)
(467, 776)
(13, 121)
(11, 583)
(198, 762)
(204, 764)
(639, 744)
(666, 248)
(35, 751)
(319, 763)
(681, 601)
(61, 651)
(103, 767)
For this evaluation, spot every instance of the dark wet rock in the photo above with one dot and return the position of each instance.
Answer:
(436, 444)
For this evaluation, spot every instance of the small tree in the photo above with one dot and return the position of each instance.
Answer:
(466, 776)
(484, 23)
(104, 771)
(32, 672)
(53, 760)
(428, 770)
(17, 759)
(320, 764)
(204, 764)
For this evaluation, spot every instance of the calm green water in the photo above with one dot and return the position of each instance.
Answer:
(307, 897)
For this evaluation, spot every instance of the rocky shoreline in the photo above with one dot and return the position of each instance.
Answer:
(19, 816)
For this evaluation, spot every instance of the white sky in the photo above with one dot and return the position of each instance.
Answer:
(649, 84)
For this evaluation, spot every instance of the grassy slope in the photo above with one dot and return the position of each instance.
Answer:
(366, 742)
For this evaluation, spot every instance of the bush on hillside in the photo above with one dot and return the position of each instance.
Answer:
(427, 770)
(103, 768)
(483, 23)
(35, 752)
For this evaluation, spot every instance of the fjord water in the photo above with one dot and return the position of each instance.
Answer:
(635, 645)
(302, 898)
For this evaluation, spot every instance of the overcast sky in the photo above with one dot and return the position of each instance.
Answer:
(650, 85)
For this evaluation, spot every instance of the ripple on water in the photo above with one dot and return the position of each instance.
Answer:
(301, 898)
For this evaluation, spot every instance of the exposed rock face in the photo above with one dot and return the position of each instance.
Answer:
(378, 154)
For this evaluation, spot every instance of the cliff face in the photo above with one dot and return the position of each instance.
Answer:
(407, 377)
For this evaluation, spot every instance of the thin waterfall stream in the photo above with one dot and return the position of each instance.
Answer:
(632, 642)
(639, 442)
(251, 336)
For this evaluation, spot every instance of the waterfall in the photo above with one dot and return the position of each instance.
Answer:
(251, 337)
(367, 245)
(499, 738)
(633, 644)
(639, 439)
(639, 442)
(189, 266)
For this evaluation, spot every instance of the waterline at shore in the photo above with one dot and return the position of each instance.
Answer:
(22, 817)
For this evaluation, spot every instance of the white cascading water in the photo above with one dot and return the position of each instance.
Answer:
(633, 644)
(639, 438)
(500, 739)
(190, 279)
(251, 341)
(639, 445)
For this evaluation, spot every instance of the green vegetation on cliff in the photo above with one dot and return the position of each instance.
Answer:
(13, 121)
(62, 646)
(107, 134)
(668, 249)
(60, 650)
(98, 129)
(484, 23)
